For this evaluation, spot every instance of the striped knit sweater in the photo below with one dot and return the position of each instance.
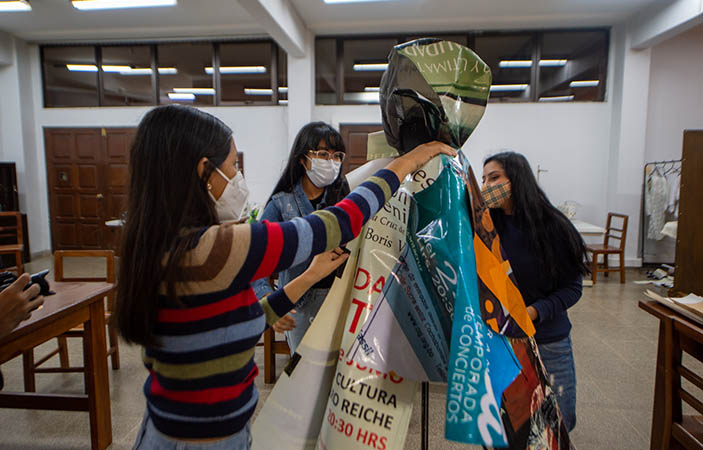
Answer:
(201, 375)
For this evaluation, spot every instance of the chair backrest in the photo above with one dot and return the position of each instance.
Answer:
(18, 224)
(617, 231)
(686, 338)
(109, 256)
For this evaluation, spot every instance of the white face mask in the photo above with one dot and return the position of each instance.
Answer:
(323, 172)
(233, 204)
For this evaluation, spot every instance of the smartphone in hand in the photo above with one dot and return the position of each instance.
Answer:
(340, 270)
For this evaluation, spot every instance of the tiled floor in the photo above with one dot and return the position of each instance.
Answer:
(614, 344)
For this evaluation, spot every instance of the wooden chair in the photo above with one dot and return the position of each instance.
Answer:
(113, 352)
(272, 347)
(683, 431)
(611, 232)
(16, 248)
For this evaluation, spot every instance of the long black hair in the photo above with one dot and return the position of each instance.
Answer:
(167, 204)
(552, 237)
(308, 138)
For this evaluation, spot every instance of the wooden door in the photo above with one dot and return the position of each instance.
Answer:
(87, 173)
(355, 138)
(117, 144)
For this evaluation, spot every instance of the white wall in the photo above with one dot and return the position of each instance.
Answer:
(337, 115)
(630, 88)
(571, 141)
(675, 94)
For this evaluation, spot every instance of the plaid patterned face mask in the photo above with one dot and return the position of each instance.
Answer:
(496, 195)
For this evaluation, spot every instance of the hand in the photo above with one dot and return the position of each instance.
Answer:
(418, 157)
(321, 266)
(15, 306)
(324, 264)
(285, 323)
(532, 312)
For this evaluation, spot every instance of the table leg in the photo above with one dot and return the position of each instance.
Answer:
(96, 378)
(425, 423)
(661, 409)
(28, 365)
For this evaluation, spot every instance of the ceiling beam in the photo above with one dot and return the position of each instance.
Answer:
(281, 21)
(660, 23)
(7, 54)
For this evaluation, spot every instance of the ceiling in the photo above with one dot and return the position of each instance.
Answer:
(58, 21)
(456, 15)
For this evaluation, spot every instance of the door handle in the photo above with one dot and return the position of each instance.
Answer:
(100, 196)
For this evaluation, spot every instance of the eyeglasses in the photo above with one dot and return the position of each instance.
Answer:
(327, 155)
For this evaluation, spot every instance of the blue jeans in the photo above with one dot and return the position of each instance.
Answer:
(558, 359)
(149, 438)
(306, 309)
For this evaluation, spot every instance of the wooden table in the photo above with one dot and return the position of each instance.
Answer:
(587, 229)
(676, 334)
(73, 304)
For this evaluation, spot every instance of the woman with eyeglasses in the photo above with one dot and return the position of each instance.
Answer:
(184, 290)
(311, 181)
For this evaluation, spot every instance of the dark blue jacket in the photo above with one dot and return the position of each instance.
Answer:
(551, 298)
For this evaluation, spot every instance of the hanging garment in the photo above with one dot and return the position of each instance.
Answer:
(655, 203)
(674, 181)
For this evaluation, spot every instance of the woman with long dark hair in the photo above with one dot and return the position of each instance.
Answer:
(184, 291)
(547, 256)
(312, 180)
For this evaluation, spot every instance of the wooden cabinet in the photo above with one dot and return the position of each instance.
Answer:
(689, 239)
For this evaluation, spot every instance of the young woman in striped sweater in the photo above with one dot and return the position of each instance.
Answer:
(184, 290)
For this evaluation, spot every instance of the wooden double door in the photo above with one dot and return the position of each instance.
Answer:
(87, 181)
(355, 137)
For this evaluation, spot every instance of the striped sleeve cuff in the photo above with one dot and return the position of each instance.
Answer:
(276, 306)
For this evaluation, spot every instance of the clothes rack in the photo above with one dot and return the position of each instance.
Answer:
(656, 250)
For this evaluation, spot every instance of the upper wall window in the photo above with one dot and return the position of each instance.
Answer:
(196, 73)
(245, 73)
(510, 58)
(364, 62)
(70, 76)
(282, 77)
(193, 80)
(326, 72)
(580, 73)
(527, 66)
(127, 79)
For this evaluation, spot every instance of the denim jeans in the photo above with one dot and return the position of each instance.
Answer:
(149, 438)
(306, 309)
(558, 359)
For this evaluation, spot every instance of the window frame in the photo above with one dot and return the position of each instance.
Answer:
(155, 84)
(537, 37)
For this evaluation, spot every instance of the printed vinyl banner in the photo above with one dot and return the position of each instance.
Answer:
(435, 278)
(368, 408)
